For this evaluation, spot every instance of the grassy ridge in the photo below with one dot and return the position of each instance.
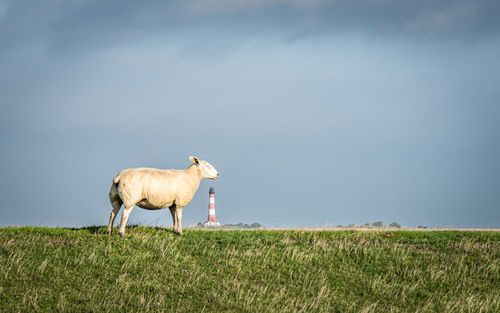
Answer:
(83, 270)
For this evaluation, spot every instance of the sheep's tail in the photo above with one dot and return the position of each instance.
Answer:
(116, 180)
(113, 191)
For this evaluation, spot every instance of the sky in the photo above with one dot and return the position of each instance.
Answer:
(315, 113)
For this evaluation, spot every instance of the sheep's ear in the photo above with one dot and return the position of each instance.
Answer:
(194, 160)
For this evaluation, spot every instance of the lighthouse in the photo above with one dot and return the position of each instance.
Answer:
(212, 221)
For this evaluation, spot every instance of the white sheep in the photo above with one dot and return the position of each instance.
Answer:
(155, 189)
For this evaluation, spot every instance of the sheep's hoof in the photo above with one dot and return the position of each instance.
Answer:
(122, 235)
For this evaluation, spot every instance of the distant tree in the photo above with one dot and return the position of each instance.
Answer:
(378, 224)
(338, 226)
(394, 224)
(352, 225)
(367, 225)
(242, 226)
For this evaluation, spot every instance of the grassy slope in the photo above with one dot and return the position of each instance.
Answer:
(83, 270)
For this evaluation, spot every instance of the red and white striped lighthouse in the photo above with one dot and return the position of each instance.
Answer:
(212, 221)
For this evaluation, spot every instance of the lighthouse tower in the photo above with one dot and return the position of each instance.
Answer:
(212, 221)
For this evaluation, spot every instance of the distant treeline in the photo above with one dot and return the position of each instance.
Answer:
(378, 224)
(234, 226)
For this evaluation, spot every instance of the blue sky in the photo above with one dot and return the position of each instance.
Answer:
(314, 112)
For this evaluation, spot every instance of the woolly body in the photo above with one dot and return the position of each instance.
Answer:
(155, 189)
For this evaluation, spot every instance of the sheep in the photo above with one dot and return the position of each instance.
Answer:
(155, 189)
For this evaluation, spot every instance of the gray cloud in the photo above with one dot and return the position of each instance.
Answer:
(91, 24)
(449, 18)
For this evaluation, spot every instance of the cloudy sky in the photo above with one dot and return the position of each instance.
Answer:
(314, 112)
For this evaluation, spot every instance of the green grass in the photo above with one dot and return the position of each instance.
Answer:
(84, 270)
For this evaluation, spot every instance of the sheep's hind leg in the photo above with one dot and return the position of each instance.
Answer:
(117, 204)
(125, 215)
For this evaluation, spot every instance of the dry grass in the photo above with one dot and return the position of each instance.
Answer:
(83, 270)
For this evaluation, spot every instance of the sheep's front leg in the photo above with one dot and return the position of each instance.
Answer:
(174, 223)
(178, 217)
(125, 215)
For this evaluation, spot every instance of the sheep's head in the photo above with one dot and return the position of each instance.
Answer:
(206, 169)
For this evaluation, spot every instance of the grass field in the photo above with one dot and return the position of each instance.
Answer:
(84, 270)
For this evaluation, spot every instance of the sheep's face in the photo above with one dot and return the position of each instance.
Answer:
(206, 169)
